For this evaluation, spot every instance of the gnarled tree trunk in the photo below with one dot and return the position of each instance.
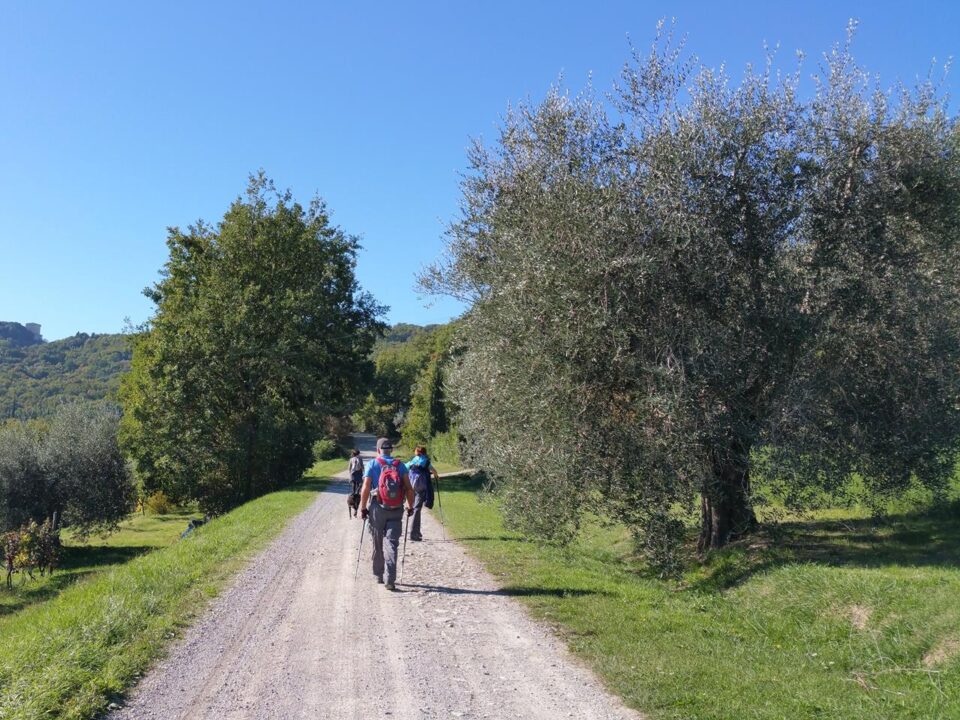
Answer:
(726, 511)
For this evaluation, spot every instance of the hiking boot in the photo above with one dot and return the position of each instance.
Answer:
(390, 586)
(379, 579)
(416, 538)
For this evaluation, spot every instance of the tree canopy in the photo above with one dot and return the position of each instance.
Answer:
(709, 268)
(260, 331)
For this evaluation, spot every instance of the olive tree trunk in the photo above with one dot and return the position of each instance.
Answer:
(726, 511)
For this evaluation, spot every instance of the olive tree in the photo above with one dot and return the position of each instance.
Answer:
(69, 468)
(662, 288)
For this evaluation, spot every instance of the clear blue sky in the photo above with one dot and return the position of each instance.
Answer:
(118, 119)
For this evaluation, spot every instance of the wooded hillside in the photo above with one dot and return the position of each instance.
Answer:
(35, 379)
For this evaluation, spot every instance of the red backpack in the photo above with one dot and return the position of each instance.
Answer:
(390, 486)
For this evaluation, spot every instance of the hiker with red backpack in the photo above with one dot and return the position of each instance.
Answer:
(386, 485)
(420, 471)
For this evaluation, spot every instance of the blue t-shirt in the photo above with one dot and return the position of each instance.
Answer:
(419, 461)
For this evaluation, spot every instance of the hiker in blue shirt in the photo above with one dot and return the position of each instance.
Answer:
(387, 477)
(420, 471)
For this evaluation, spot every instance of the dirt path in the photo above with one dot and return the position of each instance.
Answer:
(296, 637)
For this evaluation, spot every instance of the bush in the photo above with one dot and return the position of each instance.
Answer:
(338, 429)
(325, 449)
(159, 504)
(32, 547)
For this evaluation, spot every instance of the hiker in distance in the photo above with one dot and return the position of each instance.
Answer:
(386, 484)
(355, 468)
(420, 471)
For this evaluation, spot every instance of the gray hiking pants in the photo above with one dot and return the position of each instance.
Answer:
(386, 527)
(418, 500)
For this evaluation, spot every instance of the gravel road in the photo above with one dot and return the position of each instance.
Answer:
(295, 636)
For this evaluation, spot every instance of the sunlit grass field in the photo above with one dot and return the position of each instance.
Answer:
(83, 558)
(836, 616)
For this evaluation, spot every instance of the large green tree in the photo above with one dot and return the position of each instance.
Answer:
(260, 331)
(711, 269)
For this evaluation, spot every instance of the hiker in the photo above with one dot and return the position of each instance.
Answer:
(420, 471)
(386, 484)
(355, 468)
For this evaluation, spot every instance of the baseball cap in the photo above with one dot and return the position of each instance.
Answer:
(384, 443)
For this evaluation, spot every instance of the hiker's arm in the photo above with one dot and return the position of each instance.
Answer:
(365, 492)
(409, 488)
(436, 475)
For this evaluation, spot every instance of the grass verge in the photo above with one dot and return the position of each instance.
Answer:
(67, 657)
(820, 619)
(81, 559)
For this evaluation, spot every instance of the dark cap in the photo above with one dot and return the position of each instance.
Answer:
(384, 443)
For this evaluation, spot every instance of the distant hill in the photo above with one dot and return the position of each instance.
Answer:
(36, 376)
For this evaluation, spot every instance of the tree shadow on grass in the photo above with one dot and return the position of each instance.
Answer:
(76, 563)
(99, 556)
(29, 592)
(509, 591)
(320, 484)
(929, 539)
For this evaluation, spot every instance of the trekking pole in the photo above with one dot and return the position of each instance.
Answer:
(362, 533)
(403, 557)
(443, 525)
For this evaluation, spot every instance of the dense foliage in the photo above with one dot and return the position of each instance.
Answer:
(260, 332)
(408, 394)
(32, 548)
(430, 413)
(398, 357)
(35, 378)
(69, 468)
(713, 269)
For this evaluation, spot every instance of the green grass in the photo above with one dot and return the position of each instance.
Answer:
(836, 618)
(67, 656)
(80, 559)
(327, 468)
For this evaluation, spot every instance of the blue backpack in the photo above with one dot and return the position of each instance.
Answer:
(420, 479)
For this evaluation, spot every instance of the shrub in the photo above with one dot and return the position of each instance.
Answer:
(159, 504)
(325, 449)
(32, 547)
